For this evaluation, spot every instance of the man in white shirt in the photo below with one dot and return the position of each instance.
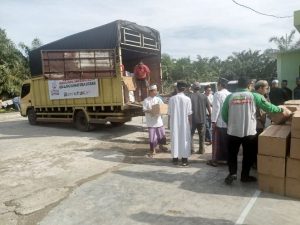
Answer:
(154, 122)
(219, 127)
(180, 113)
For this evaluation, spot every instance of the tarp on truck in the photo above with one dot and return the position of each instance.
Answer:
(120, 33)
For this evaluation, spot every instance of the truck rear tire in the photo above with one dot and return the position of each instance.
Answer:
(31, 117)
(81, 122)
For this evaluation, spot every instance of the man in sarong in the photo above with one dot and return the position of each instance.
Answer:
(154, 122)
(219, 127)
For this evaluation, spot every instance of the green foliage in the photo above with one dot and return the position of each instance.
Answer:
(287, 42)
(36, 43)
(251, 64)
(13, 67)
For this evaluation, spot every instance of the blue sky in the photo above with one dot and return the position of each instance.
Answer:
(188, 28)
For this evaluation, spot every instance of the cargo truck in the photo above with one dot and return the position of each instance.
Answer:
(86, 78)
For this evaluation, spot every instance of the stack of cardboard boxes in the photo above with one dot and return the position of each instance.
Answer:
(292, 187)
(279, 157)
(273, 148)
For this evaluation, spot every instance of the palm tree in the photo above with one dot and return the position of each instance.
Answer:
(286, 43)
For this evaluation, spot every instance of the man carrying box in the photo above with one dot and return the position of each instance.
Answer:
(154, 121)
(238, 112)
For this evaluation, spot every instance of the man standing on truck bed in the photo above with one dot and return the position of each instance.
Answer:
(142, 78)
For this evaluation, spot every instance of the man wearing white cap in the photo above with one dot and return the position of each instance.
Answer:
(154, 122)
(276, 95)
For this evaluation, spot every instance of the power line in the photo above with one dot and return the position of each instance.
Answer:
(264, 14)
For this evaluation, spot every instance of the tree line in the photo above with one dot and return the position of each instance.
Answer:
(253, 64)
(14, 64)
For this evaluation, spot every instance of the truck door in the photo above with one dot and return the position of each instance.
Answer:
(25, 98)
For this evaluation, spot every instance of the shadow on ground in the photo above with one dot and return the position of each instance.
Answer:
(22, 129)
(157, 219)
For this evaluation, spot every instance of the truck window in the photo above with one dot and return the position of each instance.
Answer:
(25, 90)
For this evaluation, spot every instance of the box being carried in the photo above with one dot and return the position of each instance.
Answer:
(159, 109)
(282, 117)
(292, 102)
(293, 108)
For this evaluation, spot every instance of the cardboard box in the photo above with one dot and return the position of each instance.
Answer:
(292, 188)
(292, 102)
(270, 165)
(293, 168)
(160, 109)
(296, 125)
(293, 108)
(271, 184)
(295, 148)
(282, 117)
(275, 141)
(129, 83)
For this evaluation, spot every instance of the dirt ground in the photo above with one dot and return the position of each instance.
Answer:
(54, 174)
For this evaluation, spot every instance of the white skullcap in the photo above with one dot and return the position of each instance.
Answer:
(275, 82)
(152, 87)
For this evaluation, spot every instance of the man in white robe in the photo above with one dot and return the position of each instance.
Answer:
(180, 113)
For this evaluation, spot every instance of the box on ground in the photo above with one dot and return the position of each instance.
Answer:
(275, 141)
(293, 168)
(271, 184)
(282, 117)
(295, 148)
(160, 109)
(270, 165)
(296, 125)
(292, 188)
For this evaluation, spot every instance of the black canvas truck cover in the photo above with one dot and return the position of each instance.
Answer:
(108, 36)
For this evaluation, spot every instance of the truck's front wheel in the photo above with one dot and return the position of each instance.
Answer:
(81, 122)
(31, 117)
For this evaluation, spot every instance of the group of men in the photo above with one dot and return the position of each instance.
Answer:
(236, 118)
(279, 95)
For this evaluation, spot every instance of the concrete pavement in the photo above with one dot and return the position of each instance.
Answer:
(54, 174)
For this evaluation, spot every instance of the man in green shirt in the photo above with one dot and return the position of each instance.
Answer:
(238, 112)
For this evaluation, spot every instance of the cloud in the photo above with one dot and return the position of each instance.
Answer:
(188, 28)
